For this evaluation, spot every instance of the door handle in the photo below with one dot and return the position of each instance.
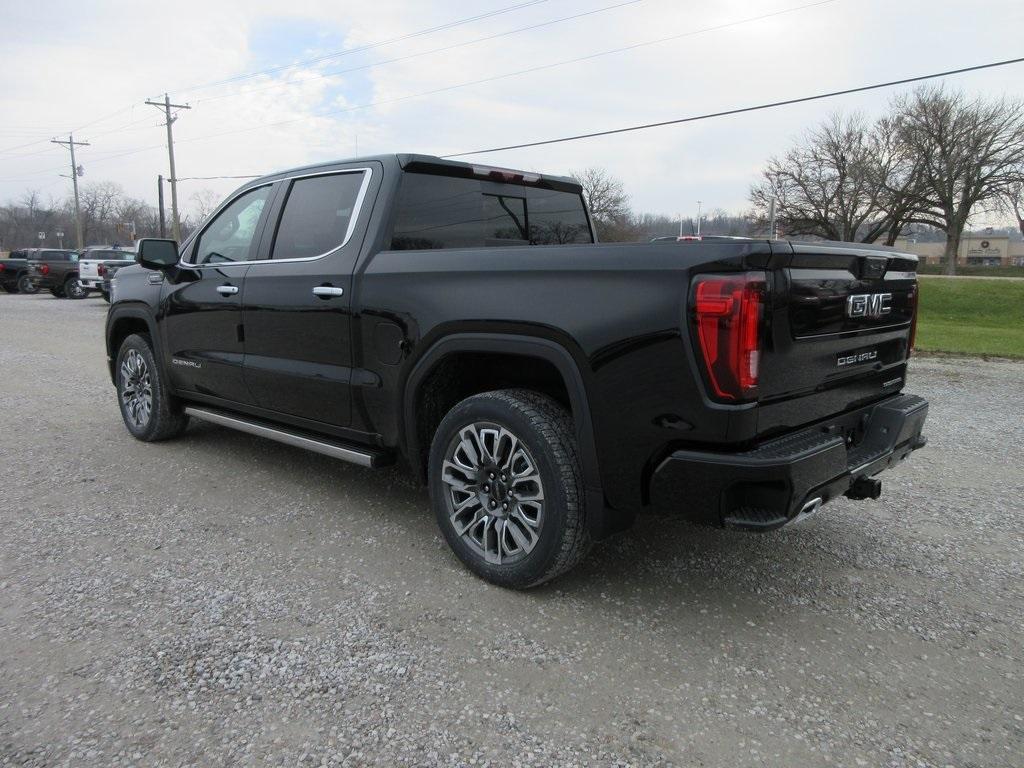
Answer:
(227, 290)
(327, 291)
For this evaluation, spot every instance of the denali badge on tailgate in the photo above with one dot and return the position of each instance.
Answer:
(864, 356)
(868, 304)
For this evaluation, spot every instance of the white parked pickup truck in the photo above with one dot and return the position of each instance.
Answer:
(90, 264)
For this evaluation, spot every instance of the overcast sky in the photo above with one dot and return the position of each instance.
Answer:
(89, 67)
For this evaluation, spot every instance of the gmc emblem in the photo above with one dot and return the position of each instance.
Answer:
(868, 304)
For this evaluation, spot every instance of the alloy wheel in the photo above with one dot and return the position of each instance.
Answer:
(136, 389)
(494, 493)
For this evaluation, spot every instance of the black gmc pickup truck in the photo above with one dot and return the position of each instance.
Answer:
(464, 320)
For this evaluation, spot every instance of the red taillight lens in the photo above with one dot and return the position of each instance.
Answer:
(2, 267)
(101, 270)
(727, 315)
(44, 269)
(914, 302)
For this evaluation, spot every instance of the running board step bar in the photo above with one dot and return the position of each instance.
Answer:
(361, 456)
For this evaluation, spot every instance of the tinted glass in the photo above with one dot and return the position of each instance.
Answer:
(316, 215)
(231, 235)
(557, 217)
(445, 212)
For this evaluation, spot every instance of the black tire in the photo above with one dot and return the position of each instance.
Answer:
(25, 285)
(545, 429)
(73, 288)
(106, 296)
(165, 418)
(57, 293)
(9, 288)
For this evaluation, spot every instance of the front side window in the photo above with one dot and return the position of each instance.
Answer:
(317, 215)
(231, 236)
(448, 212)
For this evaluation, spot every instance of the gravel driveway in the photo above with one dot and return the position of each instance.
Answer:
(224, 600)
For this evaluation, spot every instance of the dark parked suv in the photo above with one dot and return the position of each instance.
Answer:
(463, 320)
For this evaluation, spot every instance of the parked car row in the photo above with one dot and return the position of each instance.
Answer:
(63, 272)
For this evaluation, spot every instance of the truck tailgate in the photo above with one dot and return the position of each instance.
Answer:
(841, 323)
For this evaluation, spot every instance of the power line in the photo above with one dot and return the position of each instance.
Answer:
(397, 59)
(741, 110)
(367, 47)
(210, 178)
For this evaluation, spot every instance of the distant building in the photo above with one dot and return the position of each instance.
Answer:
(975, 250)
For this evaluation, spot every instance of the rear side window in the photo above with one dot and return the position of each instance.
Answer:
(318, 215)
(446, 212)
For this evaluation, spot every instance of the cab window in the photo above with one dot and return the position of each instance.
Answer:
(231, 236)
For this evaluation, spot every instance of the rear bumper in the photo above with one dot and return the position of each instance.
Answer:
(768, 486)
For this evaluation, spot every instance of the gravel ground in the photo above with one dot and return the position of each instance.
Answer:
(224, 600)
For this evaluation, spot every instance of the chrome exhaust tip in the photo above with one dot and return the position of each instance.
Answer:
(808, 509)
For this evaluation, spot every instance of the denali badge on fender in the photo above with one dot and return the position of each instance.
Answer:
(868, 304)
(857, 357)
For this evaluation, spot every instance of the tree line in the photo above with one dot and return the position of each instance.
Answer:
(109, 217)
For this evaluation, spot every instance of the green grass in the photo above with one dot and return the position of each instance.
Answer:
(971, 317)
(972, 271)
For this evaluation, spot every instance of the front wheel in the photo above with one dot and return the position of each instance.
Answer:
(507, 488)
(149, 411)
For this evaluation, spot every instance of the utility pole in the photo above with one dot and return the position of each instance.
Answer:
(71, 144)
(698, 218)
(160, 204)
(771, 219)
(166, 106)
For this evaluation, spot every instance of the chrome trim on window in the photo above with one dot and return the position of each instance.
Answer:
(356, 210)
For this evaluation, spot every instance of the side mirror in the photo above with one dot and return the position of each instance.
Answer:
(156, 253)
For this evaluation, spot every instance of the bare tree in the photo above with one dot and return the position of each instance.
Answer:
(204, 201)
(831, 184)
(1012, 201)
(969, 152)
(607, 200)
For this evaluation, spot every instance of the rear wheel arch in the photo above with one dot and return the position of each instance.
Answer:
(428, 396)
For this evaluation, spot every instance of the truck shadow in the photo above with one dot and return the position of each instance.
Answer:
(664, 557)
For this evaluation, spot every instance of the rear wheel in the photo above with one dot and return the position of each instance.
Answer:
(149, 411)
(73, 288)
(507, 488)
(25, 285)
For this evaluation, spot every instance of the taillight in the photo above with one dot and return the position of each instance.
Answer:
(727, 317)
(44, 269)
(2, 267)
(101, 270)
(914, 293)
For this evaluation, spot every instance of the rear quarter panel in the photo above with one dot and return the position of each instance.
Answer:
(617, 309)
